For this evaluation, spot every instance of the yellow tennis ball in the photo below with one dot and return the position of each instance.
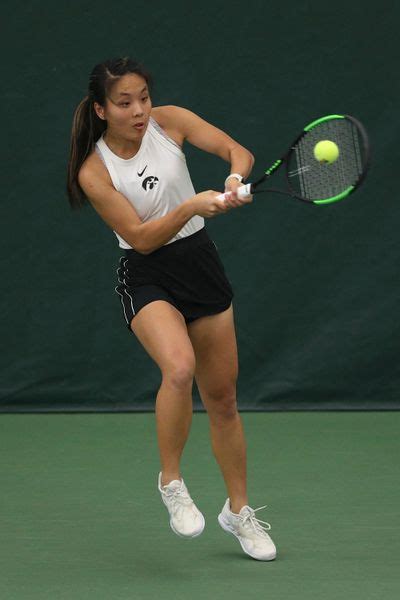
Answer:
(326, 151)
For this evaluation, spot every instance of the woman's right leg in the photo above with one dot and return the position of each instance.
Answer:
(161, 329)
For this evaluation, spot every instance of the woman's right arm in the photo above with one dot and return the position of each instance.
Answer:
(118, 213)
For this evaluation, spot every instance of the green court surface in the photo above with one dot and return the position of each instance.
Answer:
(82, 519)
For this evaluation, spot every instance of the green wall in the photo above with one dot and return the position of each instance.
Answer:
(316, 287)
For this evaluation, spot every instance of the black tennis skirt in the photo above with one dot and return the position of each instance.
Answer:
(187, 273)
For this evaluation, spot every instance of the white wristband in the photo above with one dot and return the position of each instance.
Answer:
(236, 175)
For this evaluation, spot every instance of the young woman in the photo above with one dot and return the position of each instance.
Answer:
(126, 159)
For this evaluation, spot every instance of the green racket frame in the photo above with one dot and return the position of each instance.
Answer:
(254, 187)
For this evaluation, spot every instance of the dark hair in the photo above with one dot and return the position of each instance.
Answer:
(87, 127)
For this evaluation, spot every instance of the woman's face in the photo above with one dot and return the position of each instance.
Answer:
(127, 109)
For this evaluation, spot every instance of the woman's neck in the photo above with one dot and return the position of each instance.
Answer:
(123, 148)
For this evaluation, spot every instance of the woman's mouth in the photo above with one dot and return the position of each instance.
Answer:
(139, 126)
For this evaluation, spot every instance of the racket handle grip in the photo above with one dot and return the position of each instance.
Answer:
(242, 192)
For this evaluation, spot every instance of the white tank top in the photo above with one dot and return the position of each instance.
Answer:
(155, 181)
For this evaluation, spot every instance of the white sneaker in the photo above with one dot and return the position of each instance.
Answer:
(185, 518)
(253, 537)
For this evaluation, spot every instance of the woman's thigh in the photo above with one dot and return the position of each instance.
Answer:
(214, 342)
(161, 329)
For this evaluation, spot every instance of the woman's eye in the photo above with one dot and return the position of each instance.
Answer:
(128, 103)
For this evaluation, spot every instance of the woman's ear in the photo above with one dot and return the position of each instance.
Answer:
(99, 110)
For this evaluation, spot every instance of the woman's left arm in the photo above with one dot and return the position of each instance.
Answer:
(198, 132)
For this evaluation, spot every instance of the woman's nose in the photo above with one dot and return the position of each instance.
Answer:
(137, 110)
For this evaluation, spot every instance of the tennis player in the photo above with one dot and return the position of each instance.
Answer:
(126, 158)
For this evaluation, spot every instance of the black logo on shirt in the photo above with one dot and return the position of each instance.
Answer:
(140, 174)
(149, 183)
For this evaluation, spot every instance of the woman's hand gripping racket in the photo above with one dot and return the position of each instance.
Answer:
(325, 163)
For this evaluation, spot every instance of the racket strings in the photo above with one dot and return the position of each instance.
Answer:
(313, 180)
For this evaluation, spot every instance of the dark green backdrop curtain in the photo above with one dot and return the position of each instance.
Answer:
(317, 288)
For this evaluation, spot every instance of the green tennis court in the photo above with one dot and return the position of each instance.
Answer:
(81, 515)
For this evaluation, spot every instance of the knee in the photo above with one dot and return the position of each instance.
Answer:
(180, 373)
(221, 404)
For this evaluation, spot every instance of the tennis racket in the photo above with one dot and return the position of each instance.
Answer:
(315, 180)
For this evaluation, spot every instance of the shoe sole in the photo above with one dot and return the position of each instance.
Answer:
(227, 527)
(188, 537)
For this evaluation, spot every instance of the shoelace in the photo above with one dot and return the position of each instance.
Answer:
(179, 497)
(256, 524)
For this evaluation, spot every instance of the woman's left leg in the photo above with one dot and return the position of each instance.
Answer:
(214, 343)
